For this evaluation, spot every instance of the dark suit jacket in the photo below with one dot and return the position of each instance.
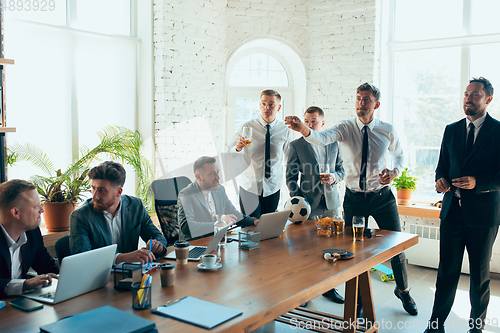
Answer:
(89, 229)
(34, 255)
(301, 159)
(194, 217)
(480, 205)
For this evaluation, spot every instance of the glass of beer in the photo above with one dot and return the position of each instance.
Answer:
(324, 172)
(247, 135)
(338, 225)
(358, 228)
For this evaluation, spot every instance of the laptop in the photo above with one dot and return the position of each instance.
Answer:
(79, 274)
(195, 252)
(272, 225)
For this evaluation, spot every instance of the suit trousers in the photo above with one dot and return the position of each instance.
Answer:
(382, 207)
(264, 205)
(455, 237)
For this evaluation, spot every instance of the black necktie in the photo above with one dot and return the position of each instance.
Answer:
(470, 140)
(364, 159)
(267, 160)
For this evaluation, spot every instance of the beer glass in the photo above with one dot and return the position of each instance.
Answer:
(247, 135)
(338, 224)
(324, 172)
(358, 228)
(219, 224)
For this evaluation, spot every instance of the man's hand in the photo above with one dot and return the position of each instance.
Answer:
(39, 281)
(467, 183)
(387, 176)
(230, 219)
(156, 247)
(328, 179)
(296, 124)
(442, 186)
(140, 255)
(240, 144)
(256, 221)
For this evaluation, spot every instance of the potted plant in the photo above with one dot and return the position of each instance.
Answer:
(405, 184)
(60, 191)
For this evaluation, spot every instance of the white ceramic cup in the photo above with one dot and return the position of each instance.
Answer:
(210, 260)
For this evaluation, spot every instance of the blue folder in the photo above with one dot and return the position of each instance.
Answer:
(198, 312)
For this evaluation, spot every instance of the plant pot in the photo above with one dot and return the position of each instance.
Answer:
(56, 215)
(404, 196)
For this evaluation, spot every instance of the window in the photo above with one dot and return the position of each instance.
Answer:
(431, 63)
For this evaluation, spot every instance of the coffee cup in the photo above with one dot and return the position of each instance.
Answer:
(210, 260)
(167, 274)
(181, 252)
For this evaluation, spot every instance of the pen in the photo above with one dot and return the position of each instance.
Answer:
(150, 242)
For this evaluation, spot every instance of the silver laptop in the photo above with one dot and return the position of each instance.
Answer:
(195, 252)
(272, 225)
(80, 274)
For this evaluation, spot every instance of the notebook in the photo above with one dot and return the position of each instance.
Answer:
(272, 224)
(80, 274)
(195, 252)
(104, 319)
(197, 312)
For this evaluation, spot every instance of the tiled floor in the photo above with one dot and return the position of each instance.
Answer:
(390, 313)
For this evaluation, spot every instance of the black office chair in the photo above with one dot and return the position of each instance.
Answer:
(165, 192)
(62, 248)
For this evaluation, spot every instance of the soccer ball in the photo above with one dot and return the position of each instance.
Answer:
(300, 209)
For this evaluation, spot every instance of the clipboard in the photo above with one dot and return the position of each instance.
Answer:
(197, 312)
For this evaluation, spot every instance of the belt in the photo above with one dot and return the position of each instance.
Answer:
(383, 190)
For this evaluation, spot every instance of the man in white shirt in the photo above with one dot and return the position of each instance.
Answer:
(202, 200)
(270, 140)
(364, 143)
(112, 218)
(21, 242)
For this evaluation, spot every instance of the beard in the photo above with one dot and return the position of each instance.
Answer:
(102, 206)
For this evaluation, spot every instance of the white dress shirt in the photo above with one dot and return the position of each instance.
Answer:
(115, 226)
(281, 137)
(477, 126)
(15, 285)
(210, 201)
(382, 138)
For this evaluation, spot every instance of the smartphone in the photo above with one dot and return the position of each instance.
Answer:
(26, 304)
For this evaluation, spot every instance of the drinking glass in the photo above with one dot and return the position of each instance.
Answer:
(338, 224)
(247, 135)
(358, 228)
(324, 172)
(219, 224)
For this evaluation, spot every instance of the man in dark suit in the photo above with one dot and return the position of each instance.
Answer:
(112, 218)
(468, 172)
(21, 242)
(201, 200)
(305, 159)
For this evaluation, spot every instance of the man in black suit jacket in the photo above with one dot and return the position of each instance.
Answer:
(468, 172)
(21, 242)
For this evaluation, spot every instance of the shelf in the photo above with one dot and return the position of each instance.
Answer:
(7, 129)
(419, 209)
(4, 61)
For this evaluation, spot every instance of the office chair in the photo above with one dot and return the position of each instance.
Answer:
(165, 192)
(62, 248)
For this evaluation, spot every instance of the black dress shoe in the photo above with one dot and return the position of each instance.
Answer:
(474, 330)
(408, 303)
(304, 305)
(434, 330)
(334, 296)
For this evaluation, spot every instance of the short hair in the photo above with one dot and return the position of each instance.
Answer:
(271, 92)
(109, 170)
(487, 86)
(369, 87)
(10, 191)
(200, 163)
(314, 109)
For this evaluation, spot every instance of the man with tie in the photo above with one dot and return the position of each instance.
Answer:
(270, 140)
(203, 199)
(304, 159)
(468, 172)
(364, 142)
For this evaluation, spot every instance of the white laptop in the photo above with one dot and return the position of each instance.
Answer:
(80, 274)
(195, 252)
(272, 225)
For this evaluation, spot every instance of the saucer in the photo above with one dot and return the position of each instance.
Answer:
(203, 268)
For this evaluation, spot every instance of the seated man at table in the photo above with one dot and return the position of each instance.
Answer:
(20, 215)
(201, 200)
(112, 218)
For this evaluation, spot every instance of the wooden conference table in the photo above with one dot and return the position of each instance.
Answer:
(264, 283)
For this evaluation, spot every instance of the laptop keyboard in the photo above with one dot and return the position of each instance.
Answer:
(195, 252)
(48, 295)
